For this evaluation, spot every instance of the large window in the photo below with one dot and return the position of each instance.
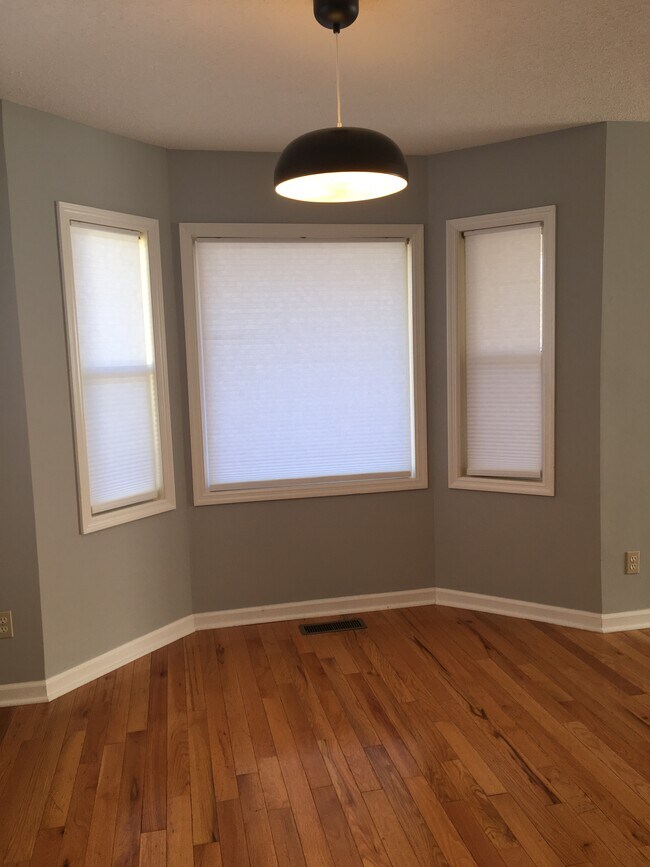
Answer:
(500, 296)
(305, 359)
(113, 299)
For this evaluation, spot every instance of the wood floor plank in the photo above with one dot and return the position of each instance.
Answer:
(577, 651)
(436, 736)
(205, 826)
(25, 820)
(612, 760)
(396, 844)
(580, 680)
(77, 826)
(525, 831)
(312, 837)
(586, 840)
(60, 794)
(178, 750)
(102, 824)
(234, 848)
(180, 845)
(337, 830)
(348, 741)
(304, 736)
(575, 746)
(266, 682)
(20, 729)
(285, 838)
(154, 803)
(275, 791)
(205, 855)
(181, 851)
(47, 848)
(20, 781)
(153, 849)
(474, 763)
(368, 841)
(6, 714)
(119, 715)
(139, 704)
(483, 851)
(388, 733)
(256, 822)
(439, 823)
(258, 726)
(613, 838)
(277, 661)
(240, 736)
(625, 743)
(223, 764)
(494, 826)
(98, 719)
(129, 808)
(356, 716)
(83, 700)
(422, 840)
(622, 657)
(365, 650)
(578, 775)
(195, 672)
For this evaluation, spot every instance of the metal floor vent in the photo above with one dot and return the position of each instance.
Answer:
(333, 626)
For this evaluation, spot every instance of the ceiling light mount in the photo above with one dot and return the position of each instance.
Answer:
(341, 163)
(336, 14)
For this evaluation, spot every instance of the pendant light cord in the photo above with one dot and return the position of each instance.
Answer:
(338, 83)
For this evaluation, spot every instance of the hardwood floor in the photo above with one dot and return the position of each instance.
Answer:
(434, 737)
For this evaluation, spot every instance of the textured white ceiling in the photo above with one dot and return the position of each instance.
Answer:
(252, 74)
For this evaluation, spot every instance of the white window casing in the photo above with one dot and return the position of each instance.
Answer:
(112, 287)
(305, 353)
(501, 352)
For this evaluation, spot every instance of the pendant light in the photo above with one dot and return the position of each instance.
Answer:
(341, 163)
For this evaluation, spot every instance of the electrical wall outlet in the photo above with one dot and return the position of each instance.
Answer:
(632, 562)
(6, 625)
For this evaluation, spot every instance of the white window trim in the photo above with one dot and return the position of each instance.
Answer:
(292, 489)
(456, 406)
(166, 501)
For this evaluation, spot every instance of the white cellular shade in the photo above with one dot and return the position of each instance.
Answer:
(305, 359)
(117, 365)
(503, 319)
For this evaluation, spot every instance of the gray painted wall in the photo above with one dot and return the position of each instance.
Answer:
(539, 549)
(100, 590)
(21, 658)
(261, 553)
(625, 388)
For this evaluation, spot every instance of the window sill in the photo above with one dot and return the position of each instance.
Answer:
(540, 488)
(91, 523)
(308, 490)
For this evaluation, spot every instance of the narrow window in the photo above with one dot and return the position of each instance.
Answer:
(306, 369)
(113, 293)
(500, 308)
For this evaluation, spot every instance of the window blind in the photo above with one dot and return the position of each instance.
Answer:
(116, 354)
(503, 343)
(305, 353)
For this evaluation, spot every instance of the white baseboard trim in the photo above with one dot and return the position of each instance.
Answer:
(125, 653)
(28, 692)
(624, 620)
(315, 608)
(45, 690)
(591, 620)
(517, 608)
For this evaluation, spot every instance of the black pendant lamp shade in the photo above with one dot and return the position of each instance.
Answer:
(341, 163)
